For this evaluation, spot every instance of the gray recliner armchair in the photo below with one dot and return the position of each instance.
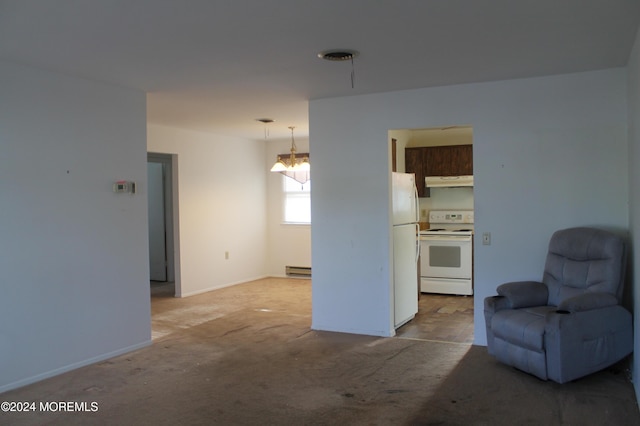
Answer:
(571, 324)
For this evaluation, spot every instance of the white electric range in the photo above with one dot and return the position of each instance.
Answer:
(446, 259)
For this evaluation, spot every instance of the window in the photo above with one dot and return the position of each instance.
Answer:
(297, 201)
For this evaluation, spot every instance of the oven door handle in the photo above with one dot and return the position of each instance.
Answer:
(435, 238)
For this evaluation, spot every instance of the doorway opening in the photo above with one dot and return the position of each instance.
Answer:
(444, 314)
(162, 222)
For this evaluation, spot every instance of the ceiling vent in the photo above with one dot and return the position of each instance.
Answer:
(341, 55)
(338, 55)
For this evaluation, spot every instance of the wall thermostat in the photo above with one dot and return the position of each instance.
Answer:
(124, 186)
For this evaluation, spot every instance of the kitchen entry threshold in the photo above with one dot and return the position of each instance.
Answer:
(440, 317)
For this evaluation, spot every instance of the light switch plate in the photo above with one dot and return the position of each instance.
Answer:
(486, 238)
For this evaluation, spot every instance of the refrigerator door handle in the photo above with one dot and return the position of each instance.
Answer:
(417, 242)
(416, 200)
(417, 203)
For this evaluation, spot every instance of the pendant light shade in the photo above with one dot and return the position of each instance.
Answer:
(279, 166)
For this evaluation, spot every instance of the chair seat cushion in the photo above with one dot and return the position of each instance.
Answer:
(522, 327)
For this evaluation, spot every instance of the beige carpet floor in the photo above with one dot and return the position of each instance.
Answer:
(245, 356)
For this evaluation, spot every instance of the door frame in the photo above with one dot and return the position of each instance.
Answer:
(170, 167)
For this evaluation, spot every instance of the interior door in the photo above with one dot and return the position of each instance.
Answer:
(157, 229)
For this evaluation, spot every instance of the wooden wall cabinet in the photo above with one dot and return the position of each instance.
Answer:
(414, 163)
(452, 160)
(448, 160)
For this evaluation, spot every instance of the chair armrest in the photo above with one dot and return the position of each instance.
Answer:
(493, 304)
(524, 294)
(587, 302)
(584, 342)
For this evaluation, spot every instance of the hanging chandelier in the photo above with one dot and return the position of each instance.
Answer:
(296, 169)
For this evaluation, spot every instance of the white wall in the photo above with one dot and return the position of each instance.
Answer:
(447, 199)
(287, 244)
(73, 254)
(633, 73)
(221, 207)
(548, 153)
(447, 135)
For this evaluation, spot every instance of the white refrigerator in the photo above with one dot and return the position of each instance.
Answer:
(406, 247)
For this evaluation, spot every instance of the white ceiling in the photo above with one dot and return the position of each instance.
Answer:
(217, 65)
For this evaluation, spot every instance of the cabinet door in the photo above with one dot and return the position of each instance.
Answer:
(450, 160)
(413, 162)
(465, 163)
(438, 161)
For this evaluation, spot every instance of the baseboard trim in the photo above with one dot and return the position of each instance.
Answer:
(293, 277)
(208, 289)
(74, 366)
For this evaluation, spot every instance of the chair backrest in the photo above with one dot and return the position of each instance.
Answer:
(582, 260)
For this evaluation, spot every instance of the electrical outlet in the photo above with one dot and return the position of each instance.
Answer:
(486, 238)
(226, 255)
(423, 213)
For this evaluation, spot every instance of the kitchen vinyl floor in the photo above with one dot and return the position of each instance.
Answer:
(441, 318)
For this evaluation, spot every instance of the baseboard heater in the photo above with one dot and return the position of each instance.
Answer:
(298, 271)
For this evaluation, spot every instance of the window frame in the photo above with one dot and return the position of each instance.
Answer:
(288, 194)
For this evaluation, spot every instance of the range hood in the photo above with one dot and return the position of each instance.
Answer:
(448, 181)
